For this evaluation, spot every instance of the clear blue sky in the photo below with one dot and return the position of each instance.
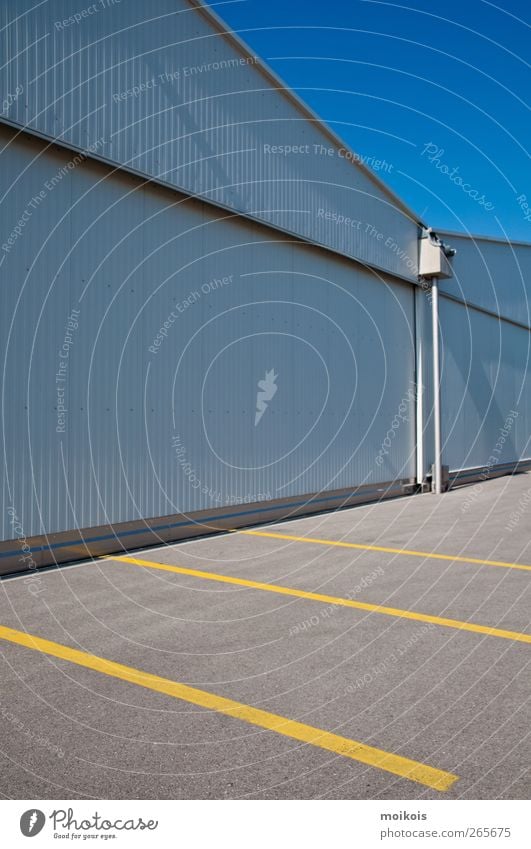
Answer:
(393, 77)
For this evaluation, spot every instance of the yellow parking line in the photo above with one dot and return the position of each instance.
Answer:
(385, 549)
(396, 764)
(328, 599)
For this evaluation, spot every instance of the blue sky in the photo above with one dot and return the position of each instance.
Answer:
(393, 78)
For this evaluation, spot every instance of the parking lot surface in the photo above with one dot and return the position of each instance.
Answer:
(375, 652)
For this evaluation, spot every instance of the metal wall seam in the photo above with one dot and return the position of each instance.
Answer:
(164, 99)
(163, 424)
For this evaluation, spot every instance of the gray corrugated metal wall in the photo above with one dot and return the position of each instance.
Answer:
(486, 356)
(493, 275)
(171, 310)
(162, 424)
(200, 127)
(486, 397)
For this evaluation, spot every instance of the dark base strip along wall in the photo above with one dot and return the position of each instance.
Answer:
(480, 474)
(26, 555)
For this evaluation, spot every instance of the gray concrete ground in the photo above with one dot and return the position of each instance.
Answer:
(453, 699)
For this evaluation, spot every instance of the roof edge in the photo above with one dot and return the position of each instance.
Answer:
(481, 238)
(120, 168)
(301, 105)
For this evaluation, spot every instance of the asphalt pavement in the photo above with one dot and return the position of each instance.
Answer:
(378, 652)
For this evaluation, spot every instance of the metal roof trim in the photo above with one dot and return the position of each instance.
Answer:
(473, 237)
(301, 105)
(234, 213)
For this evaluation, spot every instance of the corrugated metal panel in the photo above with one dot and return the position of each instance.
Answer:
(424, 381)
(160, 90)
(494, 275)
(82, 543)
(161, 423)
(486, 389)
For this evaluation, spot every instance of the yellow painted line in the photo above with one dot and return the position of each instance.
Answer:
(396, 764)
(386, 550)
(328, 599)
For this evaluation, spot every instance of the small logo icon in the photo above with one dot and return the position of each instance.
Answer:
(32, 822)
(266, 391)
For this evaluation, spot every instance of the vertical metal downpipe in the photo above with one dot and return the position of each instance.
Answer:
(437, 466)
(419, 384)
